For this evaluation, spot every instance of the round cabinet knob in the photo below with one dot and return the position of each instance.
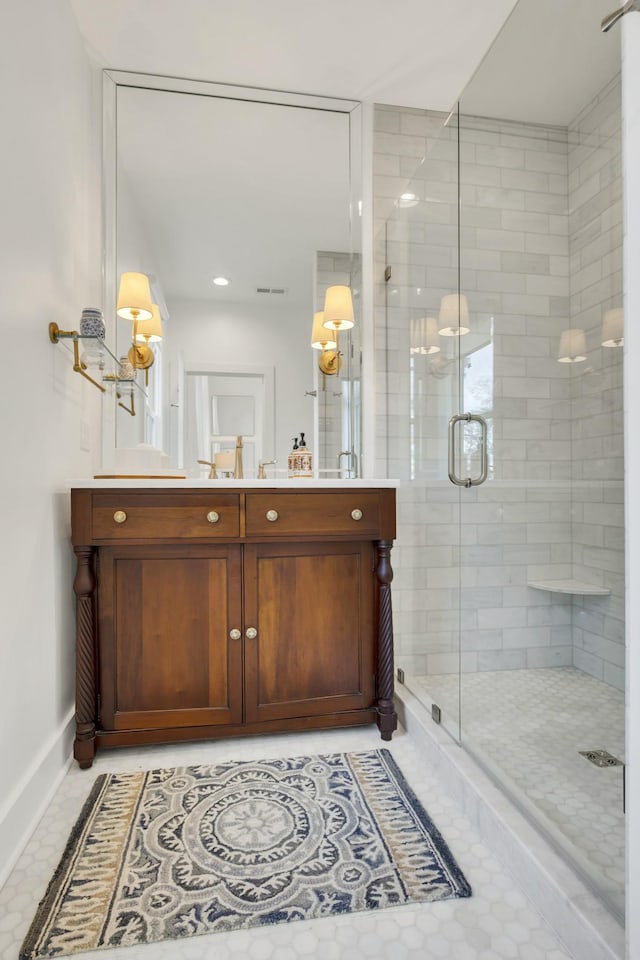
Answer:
(356, 514)
(213, 517)
(119, 516)
(235, 634)
(272, 515)
(251, 633)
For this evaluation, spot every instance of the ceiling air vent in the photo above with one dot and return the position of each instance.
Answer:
(281, 291)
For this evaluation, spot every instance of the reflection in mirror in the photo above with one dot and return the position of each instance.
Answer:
(224, 404)
(258, 191)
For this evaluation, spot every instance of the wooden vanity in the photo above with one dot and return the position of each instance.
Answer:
(221, 609)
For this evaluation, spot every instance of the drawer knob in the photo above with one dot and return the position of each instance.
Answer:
(119, 516)
(235, 634)
(272, 515)
(251, 633)
(212, 516)
(356, 514)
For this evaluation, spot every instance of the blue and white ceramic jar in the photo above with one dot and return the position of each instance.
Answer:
(92, 323)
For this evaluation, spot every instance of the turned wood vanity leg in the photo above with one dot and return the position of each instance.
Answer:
(84, 587)
(387, 717)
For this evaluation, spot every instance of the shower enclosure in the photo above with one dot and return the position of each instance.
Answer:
(499, 255)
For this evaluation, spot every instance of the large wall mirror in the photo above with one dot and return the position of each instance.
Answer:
(204, 181)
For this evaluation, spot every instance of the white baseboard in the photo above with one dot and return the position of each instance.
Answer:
(22, 810)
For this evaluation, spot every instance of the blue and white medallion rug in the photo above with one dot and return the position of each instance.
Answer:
(179, 852)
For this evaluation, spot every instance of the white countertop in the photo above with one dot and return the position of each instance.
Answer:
(178, 483)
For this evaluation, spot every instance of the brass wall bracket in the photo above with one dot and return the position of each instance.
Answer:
(56, 334)
(330, 362)
(141, 356)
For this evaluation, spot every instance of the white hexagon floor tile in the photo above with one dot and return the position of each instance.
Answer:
(496, 923)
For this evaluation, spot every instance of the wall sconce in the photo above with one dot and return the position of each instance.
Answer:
(322, 339)
(338, 309)
(134, 303)
(572, 347)
(337, 315)
(424, 336)
(454, 315)
(613, 328)
(147, 331)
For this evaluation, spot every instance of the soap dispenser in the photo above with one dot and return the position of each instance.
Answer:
(291, 460)
(304, 460)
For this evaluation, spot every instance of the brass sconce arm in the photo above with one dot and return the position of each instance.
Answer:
(130, 409)
(56, 334)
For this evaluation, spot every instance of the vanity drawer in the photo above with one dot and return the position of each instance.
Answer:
(165, 516)
(350, 513)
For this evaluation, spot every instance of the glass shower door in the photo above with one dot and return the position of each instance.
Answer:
(421, 393)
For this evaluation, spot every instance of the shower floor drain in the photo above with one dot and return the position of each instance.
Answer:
(601, 758)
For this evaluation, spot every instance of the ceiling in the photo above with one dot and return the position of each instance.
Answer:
(414, 53)
(548, 62)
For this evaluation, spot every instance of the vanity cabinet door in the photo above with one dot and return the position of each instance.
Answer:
(167, 656)
(309, 629)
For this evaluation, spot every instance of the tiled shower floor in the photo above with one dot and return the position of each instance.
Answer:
(528, 727)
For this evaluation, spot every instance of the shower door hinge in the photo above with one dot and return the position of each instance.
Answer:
(387, 273)
(400, 675)
(435, 713)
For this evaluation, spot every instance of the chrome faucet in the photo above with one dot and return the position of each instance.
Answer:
(353, 457)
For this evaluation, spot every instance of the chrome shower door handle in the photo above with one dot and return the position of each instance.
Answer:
(484, 463)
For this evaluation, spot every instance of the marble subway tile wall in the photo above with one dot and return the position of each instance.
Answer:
(527, 265)
(514, 273)
(595, 249)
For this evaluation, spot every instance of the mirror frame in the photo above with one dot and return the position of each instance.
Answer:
(112, 79)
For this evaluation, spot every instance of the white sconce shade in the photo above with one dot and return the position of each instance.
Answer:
(572, 346)
(321, 338)
(424, 336)
(613, 328)
(338, 308)
(454, 316)
(149, 331)
(134, 297)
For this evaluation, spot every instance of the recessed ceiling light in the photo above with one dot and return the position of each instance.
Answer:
(408, 200)
(221, 281)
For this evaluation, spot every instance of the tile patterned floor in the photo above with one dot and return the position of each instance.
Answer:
(496, 923)
(527, 727)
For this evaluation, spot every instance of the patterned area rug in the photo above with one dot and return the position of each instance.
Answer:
(178, 852)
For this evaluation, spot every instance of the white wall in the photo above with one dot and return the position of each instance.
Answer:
(51, 238)
(631, 166)
(275, 335)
